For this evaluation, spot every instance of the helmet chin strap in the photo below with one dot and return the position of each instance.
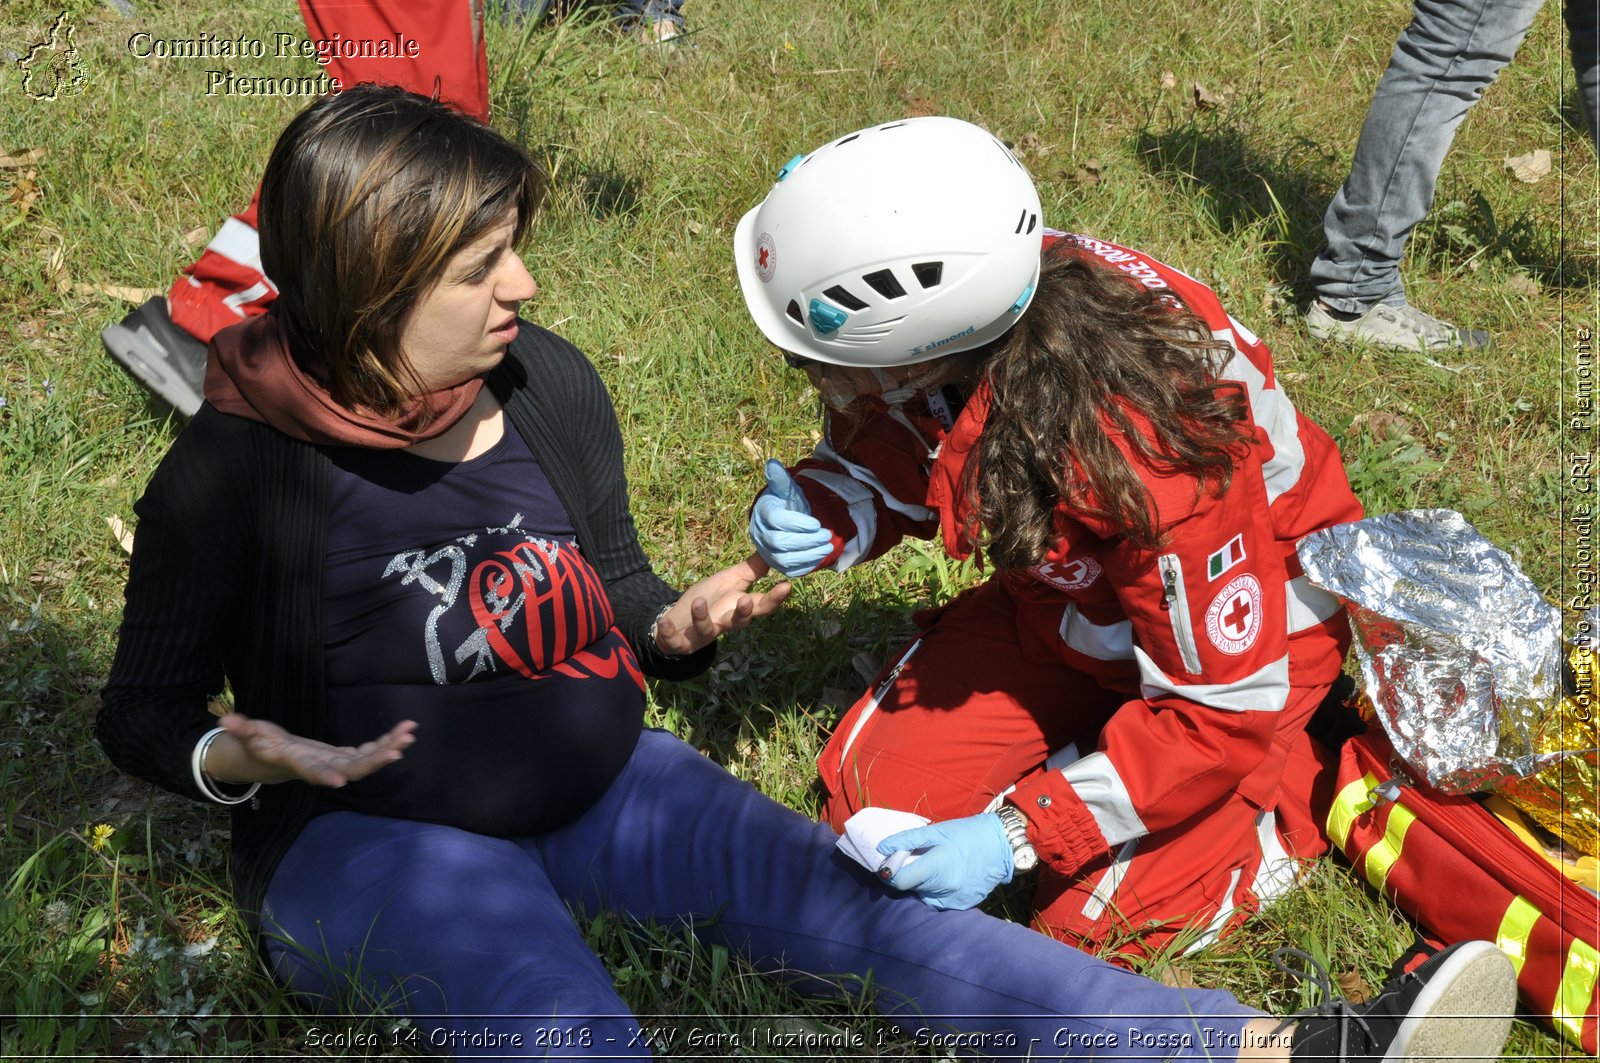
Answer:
(894, 389)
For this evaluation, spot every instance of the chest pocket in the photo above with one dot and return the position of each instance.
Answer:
(1175, 602)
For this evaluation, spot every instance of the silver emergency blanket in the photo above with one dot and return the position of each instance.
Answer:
(1460, 654)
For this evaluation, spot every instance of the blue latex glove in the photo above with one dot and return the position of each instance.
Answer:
(786, 535)
(965, 860)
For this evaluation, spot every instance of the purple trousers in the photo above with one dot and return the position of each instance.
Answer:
(475, 938)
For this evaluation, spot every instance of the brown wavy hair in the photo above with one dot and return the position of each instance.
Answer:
(367, 195)
(1097, 355)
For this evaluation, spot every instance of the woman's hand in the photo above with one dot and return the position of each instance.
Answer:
(717, 604)
(261, 751)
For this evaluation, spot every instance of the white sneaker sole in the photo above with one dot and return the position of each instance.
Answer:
(1464, 1012)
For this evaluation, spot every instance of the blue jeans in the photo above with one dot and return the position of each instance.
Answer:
(651, 11)
(473, 936)
(1441, 64)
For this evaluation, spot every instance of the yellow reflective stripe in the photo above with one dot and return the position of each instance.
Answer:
(1515, 929)
(1575, 998)
(1350, 803)
(1384, 852)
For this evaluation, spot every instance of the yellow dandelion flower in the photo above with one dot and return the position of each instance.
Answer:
(100, 836)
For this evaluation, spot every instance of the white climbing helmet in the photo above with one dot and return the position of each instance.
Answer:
(893, 245)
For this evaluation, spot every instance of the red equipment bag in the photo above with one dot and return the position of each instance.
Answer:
(1458, 871)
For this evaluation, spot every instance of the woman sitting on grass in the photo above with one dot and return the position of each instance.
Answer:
(398, 528)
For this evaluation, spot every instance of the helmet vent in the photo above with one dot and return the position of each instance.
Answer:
(848, 139)
(844, 298)
(1033, 221)
(794, 312)
(891, 125)
(884, 283)
(879, 328)
(928, 273)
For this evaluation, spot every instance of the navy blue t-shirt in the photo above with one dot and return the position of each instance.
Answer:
(455, 596)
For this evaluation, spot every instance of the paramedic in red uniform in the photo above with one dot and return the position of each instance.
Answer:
(1125, 699)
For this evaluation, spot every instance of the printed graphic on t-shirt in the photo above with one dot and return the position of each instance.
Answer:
(507, 600)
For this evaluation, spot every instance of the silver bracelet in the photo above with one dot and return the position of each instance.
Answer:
(651, 635)
(206, 784)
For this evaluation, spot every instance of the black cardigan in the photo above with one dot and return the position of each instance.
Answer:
(226, 582)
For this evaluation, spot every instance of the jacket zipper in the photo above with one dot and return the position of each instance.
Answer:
(877, 696)
(1176, 603)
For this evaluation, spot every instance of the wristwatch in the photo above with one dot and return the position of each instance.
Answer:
(1023, 855)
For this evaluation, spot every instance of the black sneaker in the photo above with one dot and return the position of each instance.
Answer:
(1456, 1005)
(159, 354)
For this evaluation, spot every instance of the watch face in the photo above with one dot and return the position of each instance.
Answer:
(1024, 859)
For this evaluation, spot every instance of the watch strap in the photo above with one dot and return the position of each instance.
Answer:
(1015, 824)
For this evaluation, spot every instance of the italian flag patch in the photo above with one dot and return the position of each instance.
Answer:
(1226, 558)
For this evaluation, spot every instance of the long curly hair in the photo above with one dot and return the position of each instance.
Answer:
(1097, 355)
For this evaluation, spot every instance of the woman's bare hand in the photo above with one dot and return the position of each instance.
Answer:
(716, 605)
(262, 751)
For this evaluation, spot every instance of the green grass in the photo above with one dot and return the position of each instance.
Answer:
(133, 947)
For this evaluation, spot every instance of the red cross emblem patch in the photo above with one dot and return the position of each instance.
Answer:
(1233, 619)
(766, 256)
(1069, 575)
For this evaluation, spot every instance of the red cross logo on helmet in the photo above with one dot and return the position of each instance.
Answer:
(766, 257)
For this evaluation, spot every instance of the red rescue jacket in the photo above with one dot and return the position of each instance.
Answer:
(1205, 636)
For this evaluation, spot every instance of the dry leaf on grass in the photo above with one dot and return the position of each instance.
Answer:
(197, 236)
(1383, 425)
(1530, 168)
(1177, 978)
(55, 268)
(1353, 986)
(1524, 285)
(1090, 173)
(120, 530)
(22, 159)
(52, 573)
(135, 296)
(1205, 99)
(752, 448)
(1168, 79)
(1030, 143)
(26, 191)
